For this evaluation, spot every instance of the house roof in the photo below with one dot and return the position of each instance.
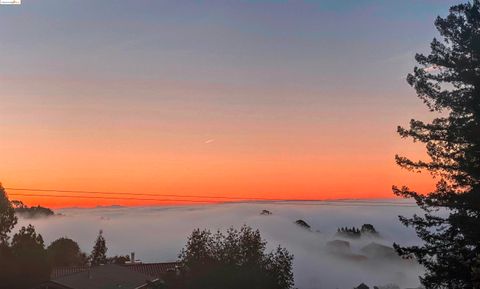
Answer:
(150, 269)
(109, 276)
(64, 271)
(153, 269)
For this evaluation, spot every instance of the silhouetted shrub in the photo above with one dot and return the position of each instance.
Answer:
(65, 252)
(303, 224)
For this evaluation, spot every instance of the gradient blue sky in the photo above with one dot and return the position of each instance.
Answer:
(270, 98)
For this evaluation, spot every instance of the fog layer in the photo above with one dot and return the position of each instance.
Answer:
(156, 234)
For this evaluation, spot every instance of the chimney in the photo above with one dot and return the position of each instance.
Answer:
(177, 270)
(132, 257)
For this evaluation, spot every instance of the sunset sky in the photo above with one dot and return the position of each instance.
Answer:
(254, 99)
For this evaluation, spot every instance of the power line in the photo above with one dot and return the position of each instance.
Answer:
(108, 198)
(283, 202)
(138, 194)
(291, 203)
(186, 196)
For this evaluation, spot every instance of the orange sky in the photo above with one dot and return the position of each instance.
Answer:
(264, 99)
(316, 154)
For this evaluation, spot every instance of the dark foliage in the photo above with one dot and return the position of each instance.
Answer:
(8, 220)
(98, 255)
(119, 260)
(349, 232)
(31, 212)
(65, 252)
(368, 229)
(362, 286)
(448, 81)
(303, 224)
(8, 267)
(25, 261)
(234, 260)
(354, 232)
(476, 274)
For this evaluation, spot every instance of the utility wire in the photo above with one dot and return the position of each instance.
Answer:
(138, 194)
(290, 203)
(108, 198)
(281, 202)
(185, 196)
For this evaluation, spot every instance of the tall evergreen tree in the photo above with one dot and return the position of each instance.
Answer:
(98, 255)
(448, 81)
(7, 216)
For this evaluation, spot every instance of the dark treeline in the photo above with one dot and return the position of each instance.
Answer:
(236, 259)
(26, 261)
(23, 259)
(354, 232)
(31, 212)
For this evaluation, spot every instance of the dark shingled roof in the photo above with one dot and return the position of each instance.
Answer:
(64, 271)
(151, 269)
(104, 277)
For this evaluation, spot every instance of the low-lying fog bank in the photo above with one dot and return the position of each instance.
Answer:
(156, 234)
